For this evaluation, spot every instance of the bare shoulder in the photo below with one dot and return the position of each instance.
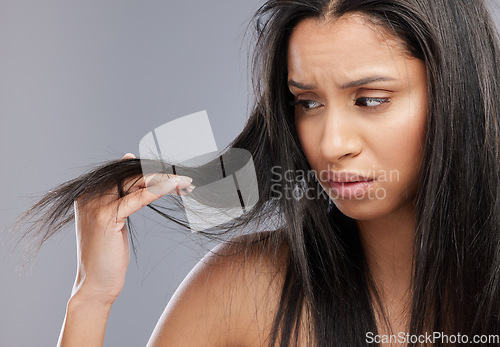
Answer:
(229, 298)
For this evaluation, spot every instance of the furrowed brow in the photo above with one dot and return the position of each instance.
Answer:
(292, 83)
(366, 80)
(353, 84)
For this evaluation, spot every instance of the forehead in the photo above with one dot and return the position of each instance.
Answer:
(342, 45)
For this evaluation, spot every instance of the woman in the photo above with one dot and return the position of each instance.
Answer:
(393, 105)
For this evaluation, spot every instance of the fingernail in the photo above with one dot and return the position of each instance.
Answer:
(189, 189)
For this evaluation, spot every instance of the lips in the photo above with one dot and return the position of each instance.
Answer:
(350, 190)
(346, 177)
(347, 185)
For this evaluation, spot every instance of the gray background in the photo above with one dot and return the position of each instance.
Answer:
(81, 83)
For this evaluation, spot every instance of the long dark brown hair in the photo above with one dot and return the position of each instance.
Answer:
(456, 260)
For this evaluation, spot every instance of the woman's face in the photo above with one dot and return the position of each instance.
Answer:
(360, 113)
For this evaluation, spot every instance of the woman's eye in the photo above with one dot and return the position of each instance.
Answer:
(306, 104)
(371, 102)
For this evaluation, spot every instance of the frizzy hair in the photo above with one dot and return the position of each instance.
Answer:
(456, 260)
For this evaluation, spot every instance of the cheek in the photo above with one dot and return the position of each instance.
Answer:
(400, 145)
(413, 146)
(309, 137)
(402, 155)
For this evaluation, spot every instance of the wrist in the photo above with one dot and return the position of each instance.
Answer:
(85, 321)
(83, 298)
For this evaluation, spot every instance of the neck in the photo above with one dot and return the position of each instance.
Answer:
(388, 246)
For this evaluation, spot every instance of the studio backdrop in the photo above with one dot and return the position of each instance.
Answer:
(81, 83)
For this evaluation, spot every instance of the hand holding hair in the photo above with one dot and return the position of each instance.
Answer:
(102, 237)
(103, 251)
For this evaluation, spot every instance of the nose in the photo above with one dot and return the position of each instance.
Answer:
(340, 139)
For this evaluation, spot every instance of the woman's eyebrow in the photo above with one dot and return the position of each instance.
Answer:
(366, 80)
(352, 84)
(292, 83)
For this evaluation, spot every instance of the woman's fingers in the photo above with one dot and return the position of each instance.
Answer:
(143, 190)
(135, 183)
(153, 187)
(148, 181)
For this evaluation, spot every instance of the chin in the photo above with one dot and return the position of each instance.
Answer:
(361, 209)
